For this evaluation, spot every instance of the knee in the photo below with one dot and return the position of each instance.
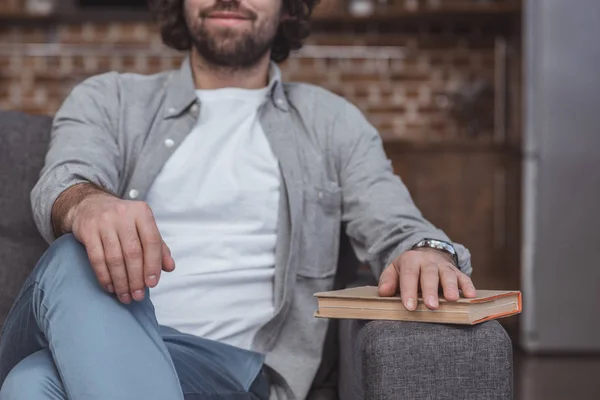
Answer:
(64, 263)
(66, 247)
(35, 377)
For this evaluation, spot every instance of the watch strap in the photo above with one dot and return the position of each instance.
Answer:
(439, 245)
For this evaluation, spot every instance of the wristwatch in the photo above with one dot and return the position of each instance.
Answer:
(439, 245)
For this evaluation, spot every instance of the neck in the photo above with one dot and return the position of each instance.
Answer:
(208, 77)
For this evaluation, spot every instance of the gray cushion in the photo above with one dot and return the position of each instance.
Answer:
(386, 360)
(23, 144)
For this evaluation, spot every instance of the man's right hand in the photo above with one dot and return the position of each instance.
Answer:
(123, 244)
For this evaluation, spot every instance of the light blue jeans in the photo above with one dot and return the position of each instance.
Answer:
(67, 338)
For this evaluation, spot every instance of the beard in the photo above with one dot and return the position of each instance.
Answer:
(230, 48)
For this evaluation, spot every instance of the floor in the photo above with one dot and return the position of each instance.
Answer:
(556, 377)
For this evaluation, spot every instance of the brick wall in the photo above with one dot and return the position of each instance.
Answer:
(403, 80)
(11, 6)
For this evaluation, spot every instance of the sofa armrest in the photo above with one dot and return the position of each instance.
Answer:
(385, 360)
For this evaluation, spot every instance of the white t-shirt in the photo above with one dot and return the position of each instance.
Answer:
(216, 204)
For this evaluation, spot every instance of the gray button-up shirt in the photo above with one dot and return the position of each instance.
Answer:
(118, 130)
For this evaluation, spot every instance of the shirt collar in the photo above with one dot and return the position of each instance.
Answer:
(181, 90)
(278, 95)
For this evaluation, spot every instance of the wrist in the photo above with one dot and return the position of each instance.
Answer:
(441, 247)
(71, 203)
(446, 256)
(69, 219)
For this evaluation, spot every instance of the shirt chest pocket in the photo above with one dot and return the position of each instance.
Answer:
(320, 232)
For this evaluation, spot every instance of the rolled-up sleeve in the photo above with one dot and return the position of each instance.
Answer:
(381, 218)
(83, 147)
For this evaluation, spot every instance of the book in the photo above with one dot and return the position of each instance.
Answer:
(365, 303)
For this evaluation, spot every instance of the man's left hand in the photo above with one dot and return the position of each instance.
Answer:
(426, 269)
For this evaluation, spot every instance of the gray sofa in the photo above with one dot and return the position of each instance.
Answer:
(364, 360)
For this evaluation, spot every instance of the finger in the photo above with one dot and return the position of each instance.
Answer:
(388, 282)
(430, 281)
(152, 246)
(134, 259)
(113, 255)
(409, 283)
(466, 285)
(95, 252)
(449, 283)
(168, 264)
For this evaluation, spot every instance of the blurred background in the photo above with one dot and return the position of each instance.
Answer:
(489, 110)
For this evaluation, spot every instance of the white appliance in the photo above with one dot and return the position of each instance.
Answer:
(561, 214)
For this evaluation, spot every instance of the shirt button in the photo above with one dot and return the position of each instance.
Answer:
(134, 194)
(172, 110)
(320, 194)
(280, 102)
(194, 108)
(169, 143)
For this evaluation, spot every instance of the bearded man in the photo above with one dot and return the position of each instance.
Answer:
(193, 214)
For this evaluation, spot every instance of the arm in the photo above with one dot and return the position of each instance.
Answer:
(384, 224)
(83, 148)
(75, 193)
(381, 217)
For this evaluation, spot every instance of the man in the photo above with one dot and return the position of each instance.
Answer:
(240, 180)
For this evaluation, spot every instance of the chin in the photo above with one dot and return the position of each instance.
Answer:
(224, 29)
(227, 45)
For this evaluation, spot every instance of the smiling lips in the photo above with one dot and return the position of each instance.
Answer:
(227, 18)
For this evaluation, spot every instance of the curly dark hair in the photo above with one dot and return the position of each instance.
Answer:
(174, 31)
